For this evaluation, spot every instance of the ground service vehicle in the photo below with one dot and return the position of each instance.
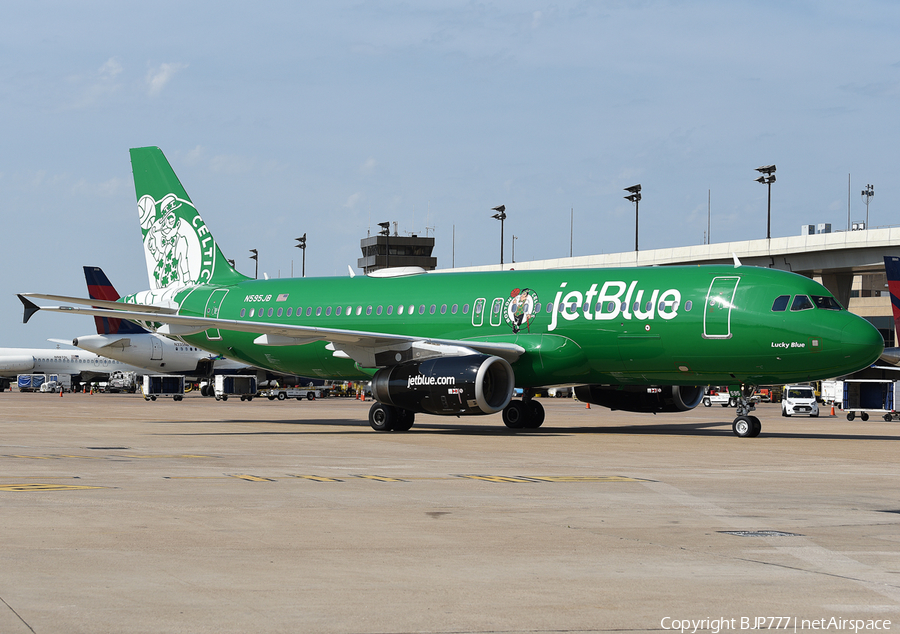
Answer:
(299, 393)
(243, 385)
(457, 344)
(719, 396)
(163, 385)
(799, 399)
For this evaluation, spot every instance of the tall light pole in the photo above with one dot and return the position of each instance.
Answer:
(867, 193)
(501, 216)
(301, 244)
(635, 197)
(767, 178)
(255, 256)
(514, 248)
(386, 232)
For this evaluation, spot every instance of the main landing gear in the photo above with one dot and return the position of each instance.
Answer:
(383, 417)
(524, 414)
(746, 426)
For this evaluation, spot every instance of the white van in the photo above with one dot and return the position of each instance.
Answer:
(799, 399)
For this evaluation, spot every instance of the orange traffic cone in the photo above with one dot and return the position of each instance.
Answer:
(588, 406)
(832, 409)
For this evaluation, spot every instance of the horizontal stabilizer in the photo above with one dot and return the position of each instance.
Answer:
(30, 308)
(100, 303)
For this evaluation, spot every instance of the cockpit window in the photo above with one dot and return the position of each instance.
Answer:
(781, 303)
(801, 302)
(828, 303)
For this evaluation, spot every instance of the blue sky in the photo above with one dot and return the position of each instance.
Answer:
(326, 118)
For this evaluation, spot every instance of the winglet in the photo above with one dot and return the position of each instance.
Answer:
(30, 308)
(737, 262)
(352, 274)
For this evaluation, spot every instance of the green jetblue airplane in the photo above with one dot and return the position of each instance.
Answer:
(455, 344)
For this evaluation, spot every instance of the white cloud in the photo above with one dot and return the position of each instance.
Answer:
(111, 68)
(231, 164)
(369, 166)
(158, 77)
(353, 200)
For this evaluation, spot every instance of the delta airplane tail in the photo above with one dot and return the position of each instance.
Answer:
(179, 249)
(99, 287)
(892, 270)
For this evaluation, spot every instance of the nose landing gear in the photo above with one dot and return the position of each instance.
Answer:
(745, 425)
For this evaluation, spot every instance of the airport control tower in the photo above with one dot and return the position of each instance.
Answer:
(385, 250)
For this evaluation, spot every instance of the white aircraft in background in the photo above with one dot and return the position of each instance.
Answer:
(83, 366)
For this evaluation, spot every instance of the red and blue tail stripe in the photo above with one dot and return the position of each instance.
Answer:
(99, 287)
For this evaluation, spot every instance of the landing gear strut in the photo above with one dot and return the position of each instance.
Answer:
(745, 425)
(524, 414)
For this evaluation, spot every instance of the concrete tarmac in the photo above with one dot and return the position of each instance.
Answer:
(120, 515)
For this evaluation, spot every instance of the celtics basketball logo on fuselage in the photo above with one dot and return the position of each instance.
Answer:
(519, 308)
(177, 244)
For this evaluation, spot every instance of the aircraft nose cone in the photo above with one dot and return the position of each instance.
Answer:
(861, 343)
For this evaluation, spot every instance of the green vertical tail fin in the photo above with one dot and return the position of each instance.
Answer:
(178, 247)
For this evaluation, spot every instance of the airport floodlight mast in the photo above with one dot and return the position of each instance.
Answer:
(301, 244)
(767, 178)
(501, 216)
(635, 197)
(386, 232)
(867, 194)
(255, 256)
(514, 248)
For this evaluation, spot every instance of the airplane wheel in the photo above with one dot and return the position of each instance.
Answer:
(382, 417)
(742, 427)
(405, 420)
(535, 415)
(707, 402)
(515, 414)
(851, 415)
(864, 416)
(757, 427)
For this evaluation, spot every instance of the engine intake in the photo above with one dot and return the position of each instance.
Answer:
(473, 384)
(640, 398)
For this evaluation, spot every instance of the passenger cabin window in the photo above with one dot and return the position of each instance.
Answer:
(827, 303)
(478, 312)
(801, 302)
(781, 303)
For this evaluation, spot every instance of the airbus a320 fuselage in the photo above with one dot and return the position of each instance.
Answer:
(637, 339)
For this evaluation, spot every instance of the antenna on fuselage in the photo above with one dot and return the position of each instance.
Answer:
(350, 268)
(737, 262)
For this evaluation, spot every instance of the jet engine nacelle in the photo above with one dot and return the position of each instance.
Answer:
(473, 384)
(634, 398)
(17, 364)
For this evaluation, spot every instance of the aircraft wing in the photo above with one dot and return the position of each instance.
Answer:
(369, 349)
